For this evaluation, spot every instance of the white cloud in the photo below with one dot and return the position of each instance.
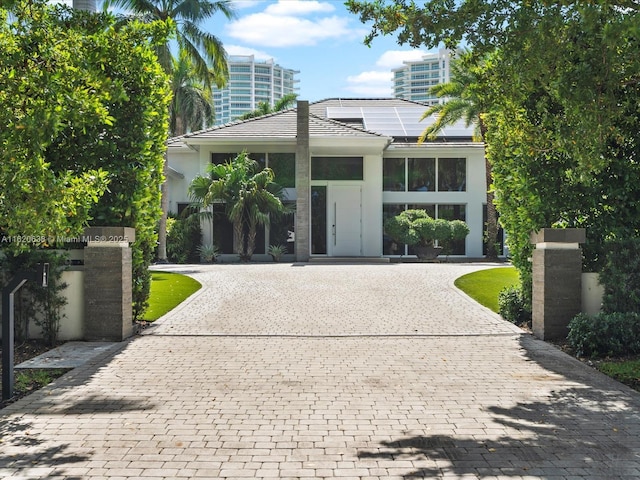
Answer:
(292, 23)
(294, 7)
(374, 83)
(394, 58)
(240, 50)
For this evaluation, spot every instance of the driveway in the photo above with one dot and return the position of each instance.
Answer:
(327, 371)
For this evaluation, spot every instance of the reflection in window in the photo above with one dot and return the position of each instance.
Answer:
(389, 246)
(393, 175)
(284, 168)
(337, 168)
(319, 220)
(454, 212)
(452, 174)
(422, 174)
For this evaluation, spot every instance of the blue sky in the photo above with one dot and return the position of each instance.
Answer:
(319, 38)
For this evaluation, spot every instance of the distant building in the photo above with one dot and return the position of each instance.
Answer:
(251, 81)
(413, 80)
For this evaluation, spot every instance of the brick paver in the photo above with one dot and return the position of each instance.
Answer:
(327, 371)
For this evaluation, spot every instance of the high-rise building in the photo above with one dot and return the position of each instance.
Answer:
(413, 80)
(250, 82)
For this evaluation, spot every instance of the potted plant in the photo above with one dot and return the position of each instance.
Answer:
(208, 253)
(276, 252)
(417, 229)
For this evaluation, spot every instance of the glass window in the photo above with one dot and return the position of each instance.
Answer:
(318, 220)
(389, 246)
(422, 174)
(393, 175)
(452, 174)
(284, 168)
(337, 168)
(220, 158)
(222, 229)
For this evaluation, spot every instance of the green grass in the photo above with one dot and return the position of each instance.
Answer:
(483, 286)
(625, 371)
(168, 290)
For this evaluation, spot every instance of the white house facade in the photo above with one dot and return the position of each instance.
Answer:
(346, 165)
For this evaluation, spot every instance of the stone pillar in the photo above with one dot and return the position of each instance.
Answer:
(303, 184)
(107, 283)
(557, 280)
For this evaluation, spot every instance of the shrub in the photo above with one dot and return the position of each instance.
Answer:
(620, 276)
(605, 334)
(512, 305)
(183, 238)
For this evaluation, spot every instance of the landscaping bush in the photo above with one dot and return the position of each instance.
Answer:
(605, 334)
(620, 276)
(184, 236)
(512, 305)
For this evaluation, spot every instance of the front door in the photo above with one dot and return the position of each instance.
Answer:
(345, 220)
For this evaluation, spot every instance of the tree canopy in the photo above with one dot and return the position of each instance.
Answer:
(562, 85)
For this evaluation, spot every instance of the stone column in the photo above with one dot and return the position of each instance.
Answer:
(303, 184)
(557, 280)
(107, 283)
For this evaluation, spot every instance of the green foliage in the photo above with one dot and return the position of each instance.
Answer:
(562, 109)
(484, 286)
(277, 251)
(208, 253)
(251, 197)
(605, 334)
(625, 371)
(33, 379)
(36, 303)
(44, 87)
(135, 92)
(416, 227)
(168, 290)
(512, 305)
(620, 276)
(184, 235)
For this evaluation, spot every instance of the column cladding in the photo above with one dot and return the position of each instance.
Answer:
(303, 184)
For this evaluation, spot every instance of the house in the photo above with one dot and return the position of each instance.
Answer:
(346, 164)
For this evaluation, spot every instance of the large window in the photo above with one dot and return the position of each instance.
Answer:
(284, 168)
(452, 174)
(337, 168)
(424, 174)
(448, 212)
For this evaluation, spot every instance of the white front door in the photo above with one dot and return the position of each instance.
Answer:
(345, 214)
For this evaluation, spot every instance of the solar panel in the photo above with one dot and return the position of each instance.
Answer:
(396, 121)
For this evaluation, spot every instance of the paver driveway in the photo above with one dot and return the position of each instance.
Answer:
(323, 371)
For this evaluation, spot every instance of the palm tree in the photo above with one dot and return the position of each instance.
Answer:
(464, 101)
(205, 49)
(192, 105)
(264, 108)
(250, 198)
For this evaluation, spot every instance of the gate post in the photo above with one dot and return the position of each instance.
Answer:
(108, 288)
(557, 280)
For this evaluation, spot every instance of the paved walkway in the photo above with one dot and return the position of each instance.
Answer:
(327, 371)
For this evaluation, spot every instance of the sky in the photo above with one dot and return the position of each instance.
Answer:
(318, 38)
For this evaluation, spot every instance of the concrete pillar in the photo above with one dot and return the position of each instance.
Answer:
(303, 184)
(107, 283)
(557, 280)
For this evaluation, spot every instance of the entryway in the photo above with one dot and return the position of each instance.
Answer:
(336, 220)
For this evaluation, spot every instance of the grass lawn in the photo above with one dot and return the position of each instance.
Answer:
(483, 286)
(625, 371)
(168, 290)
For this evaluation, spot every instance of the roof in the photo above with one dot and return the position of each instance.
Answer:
(282, 125)
(335, 117)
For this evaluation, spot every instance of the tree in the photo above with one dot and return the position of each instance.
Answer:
(202, 52)
(191, 102)
(134, 90)
(467, 102)
(287, 101)
(45, 87)
(562, 129)
(250, 197)
(205, 50)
